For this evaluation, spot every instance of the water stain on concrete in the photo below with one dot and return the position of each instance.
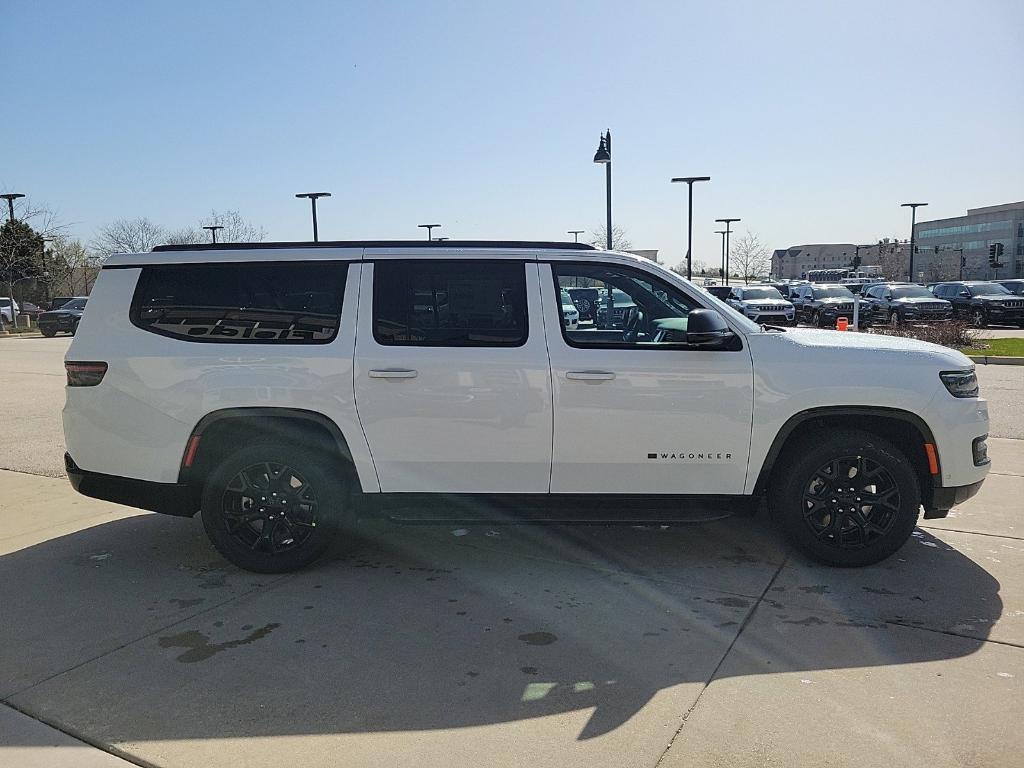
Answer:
(528, 670)
(810, 621)
(199, 648)
(538, 638)
(817, 589)
(731, 602)
(183, 603)
(880, 591)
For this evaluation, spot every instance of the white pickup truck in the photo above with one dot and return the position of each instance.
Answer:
(283, 389)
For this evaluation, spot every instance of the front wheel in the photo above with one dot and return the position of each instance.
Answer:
(978, 319)
(819, 321)
(273, 508)
(48, 332)
(851, 499)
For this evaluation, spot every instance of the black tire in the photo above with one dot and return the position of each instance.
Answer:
(819, 321)
(811, 507)
(978, 317)
(47, 332)
(246, 512)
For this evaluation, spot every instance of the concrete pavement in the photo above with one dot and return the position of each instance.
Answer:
(709, 644)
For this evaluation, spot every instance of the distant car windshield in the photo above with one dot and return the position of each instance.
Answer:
(75, 304)
(566, 299)
(988, 289)
(912, 292)
(760, 293)
(832, 292)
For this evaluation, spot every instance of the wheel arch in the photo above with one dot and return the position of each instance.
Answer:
(907, 430)
(221, 431)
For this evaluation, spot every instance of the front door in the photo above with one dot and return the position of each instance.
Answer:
(452, 382)
(635, 411)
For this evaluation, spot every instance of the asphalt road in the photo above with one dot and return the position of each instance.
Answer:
(32, 383)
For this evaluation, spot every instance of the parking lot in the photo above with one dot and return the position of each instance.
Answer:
(708, 644)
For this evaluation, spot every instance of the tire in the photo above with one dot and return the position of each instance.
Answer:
(48, 333)
(894, 320)
(978, 319)
(237, 523)
(818, 320)
(810, 507)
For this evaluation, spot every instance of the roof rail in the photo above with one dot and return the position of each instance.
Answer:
(497, 244)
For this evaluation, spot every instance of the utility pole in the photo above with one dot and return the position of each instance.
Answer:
(728, 231)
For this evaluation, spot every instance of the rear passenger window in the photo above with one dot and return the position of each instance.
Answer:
(449, 303)
(251, 303)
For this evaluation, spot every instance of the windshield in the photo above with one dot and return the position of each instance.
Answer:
(567, 299)
(912, 292)
(75, 304)
(760, 293)
(988, 289)
(832, 292)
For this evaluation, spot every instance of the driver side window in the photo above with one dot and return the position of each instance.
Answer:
(630, 308)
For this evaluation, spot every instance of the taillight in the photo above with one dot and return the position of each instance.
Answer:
(85, 374)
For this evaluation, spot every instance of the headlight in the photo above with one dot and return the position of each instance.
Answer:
(960, 383)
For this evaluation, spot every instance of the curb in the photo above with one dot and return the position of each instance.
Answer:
(996, 360)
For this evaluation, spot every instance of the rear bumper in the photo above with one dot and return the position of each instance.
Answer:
(944, 499)
(166, 498)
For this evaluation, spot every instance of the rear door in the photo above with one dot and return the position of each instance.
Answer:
(452, 381)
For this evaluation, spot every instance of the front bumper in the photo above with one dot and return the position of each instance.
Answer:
(944, 499)
(166, 498)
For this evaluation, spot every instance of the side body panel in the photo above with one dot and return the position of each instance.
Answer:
(137, 422)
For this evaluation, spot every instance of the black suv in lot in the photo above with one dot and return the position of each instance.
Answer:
(896, 303)
(1016, 287)
(983, 302)
(822, 305)
(63, 320)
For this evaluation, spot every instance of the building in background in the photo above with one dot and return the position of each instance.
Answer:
(795, 262)
(941, 242)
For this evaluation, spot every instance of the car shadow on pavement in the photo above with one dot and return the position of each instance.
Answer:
(136, 630)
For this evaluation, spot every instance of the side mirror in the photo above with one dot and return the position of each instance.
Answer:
(706, 328)
(965, 293)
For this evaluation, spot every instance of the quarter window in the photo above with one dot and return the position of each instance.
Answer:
(449, 303)
(254, 303)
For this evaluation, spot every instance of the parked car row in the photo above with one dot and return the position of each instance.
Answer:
(887, 302)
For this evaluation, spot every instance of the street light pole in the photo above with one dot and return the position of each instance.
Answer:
(913, 221)
(429, 227)
(689, 219)
(46, 273)
(603, 156)
(312, 197)
(213, 231)
(10, 197)
(575, 234)
(728, 231)
(722, 233)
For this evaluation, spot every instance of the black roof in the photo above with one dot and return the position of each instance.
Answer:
(502, 244)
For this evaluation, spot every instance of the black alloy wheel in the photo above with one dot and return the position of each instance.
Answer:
(847, 499)
(273, 508)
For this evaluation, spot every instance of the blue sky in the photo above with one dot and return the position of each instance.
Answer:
(815, 120)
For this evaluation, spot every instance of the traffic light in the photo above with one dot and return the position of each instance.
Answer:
(995, 250)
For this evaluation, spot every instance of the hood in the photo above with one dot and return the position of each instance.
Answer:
(912, 349)
(836, 300)
(921, 300)
(766, 302)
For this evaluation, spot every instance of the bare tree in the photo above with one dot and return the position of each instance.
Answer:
(620, 240)
(73, 268)
(893, 259)
(21, 245)
(235, 229)
(750, 257)
(127, 236)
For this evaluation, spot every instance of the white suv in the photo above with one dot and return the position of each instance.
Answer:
(285, 389)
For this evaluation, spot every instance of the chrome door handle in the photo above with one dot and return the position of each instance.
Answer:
(590, 375)
(392, 373)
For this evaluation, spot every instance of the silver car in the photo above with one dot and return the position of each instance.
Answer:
(762, 304)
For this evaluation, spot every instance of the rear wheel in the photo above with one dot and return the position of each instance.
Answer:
(851, 499)
(273, 508)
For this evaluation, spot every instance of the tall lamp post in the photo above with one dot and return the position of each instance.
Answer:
(46, 272)
(10, 197)
(312, 197)
(603, 156)
(722, 233)
(728, 231)
(689, 219)
(913, 220)
(429, 227)
(213, 231)
(575, 234)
